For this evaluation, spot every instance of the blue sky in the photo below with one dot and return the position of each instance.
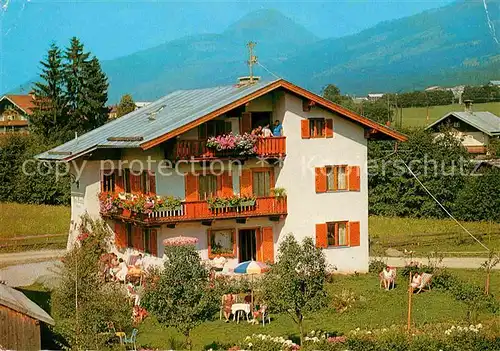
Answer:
(116, 28)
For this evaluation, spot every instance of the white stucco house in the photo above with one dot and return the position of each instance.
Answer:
(234, 204)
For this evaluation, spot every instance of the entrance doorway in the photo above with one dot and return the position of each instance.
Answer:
(247, 245)
(261, 119)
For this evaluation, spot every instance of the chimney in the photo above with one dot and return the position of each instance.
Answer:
(247, 80)
(468, 106)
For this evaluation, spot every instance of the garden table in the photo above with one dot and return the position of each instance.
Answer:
(237, 308)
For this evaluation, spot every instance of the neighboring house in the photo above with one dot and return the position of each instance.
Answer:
(113, 109)
(14, 112)
(494, 82)
(373, 97)
(321, 162)
(474, 129)
(20, 320)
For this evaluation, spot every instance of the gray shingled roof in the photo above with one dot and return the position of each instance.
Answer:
(486, 122)
(154, 120)
(17, 301)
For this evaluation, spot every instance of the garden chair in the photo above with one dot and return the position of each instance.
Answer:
(381, 278)
(132, 339)
(264, 314)
(426, 282)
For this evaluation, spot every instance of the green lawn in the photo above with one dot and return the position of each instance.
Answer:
(417, 116)
(376, 308)
(19, 220)
(431, 235)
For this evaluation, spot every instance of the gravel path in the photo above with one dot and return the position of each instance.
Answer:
(449, 262)
(30, 256)
(30, 273)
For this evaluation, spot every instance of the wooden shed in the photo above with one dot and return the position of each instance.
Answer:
(20, 320)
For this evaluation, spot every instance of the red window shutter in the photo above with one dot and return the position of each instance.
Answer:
(320, 173)
(246, 182)
(137, 238)
(329, 128)
(354, 178)
(321, 235)
(191, 185)
(267, 244)
(304, 129)
(120, 235)
(153, 242)
(227, 184)
(119, 186)
(354, 235)
(152, 182)
(135, 182)
(246, 122)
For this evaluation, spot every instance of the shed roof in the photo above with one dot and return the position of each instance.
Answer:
(182, 110)
(486, 122)
(16, 300)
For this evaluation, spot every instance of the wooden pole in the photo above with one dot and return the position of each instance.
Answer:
(410, 294)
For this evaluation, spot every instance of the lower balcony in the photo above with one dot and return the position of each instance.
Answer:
(273, 207)
(273, 147)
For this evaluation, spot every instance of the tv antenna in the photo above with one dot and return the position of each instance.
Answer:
(252, 59)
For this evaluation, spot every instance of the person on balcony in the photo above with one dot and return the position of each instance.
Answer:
(257, 131)
(266, 131)
(277, 129)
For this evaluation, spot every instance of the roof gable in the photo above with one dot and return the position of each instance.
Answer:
(17, 301)
(183, 110)
(485, 122)
(24, 102)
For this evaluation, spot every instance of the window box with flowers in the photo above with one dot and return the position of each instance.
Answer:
(131, 205)
(230, 202)
(234, 144)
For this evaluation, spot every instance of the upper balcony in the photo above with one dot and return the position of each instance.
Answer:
(272, 147)
(192, 211)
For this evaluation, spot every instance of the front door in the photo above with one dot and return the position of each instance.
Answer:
(247, 245)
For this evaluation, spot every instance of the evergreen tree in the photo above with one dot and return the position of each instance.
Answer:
(50, 114)
(86, 89)
(125, 106)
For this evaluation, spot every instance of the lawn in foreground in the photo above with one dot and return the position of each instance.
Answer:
(431, 235)
(417, 116)
(19, 220)
(376, 308)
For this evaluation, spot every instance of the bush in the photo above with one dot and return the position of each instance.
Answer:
(344, 300)
(377, 265)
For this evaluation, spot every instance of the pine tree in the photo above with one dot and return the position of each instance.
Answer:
(49, 117)
(125, 106)
(86, 89)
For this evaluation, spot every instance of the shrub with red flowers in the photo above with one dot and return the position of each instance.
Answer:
(242, 144)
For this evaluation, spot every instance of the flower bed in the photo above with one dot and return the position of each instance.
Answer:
(127, 204)
(240, 144)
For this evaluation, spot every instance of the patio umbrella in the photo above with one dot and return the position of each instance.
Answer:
(251, 267)
(180, 241)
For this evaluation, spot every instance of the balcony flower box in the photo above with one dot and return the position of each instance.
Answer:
(233, 144)
(230, 202)
(126, 213)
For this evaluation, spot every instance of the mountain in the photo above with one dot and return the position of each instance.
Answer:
(449, 45)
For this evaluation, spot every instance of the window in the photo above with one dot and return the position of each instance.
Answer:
(108, 181)
(126, 181)
(456, 124)
(336, 178)
(213, 128)
(207, 186)
(337, 233)
(317, 127)
(261, 183)
(222, 242)
(145, 187)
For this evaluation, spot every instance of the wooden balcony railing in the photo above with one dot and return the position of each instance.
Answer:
(268, 147)
(200, 211)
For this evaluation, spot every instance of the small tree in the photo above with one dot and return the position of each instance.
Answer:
(82, 305)
(125, 106)
(295, 284)
(182, 297)
(487, 266)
